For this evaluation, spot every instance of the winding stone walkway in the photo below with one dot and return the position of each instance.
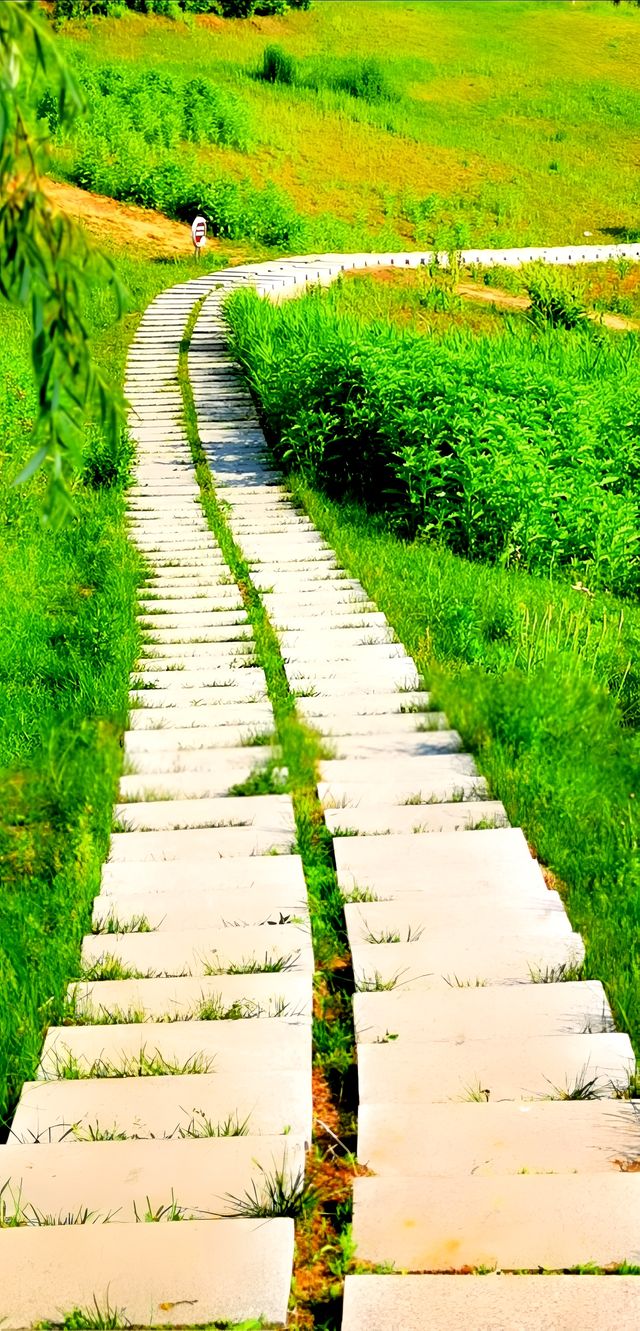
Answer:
(477, 1158)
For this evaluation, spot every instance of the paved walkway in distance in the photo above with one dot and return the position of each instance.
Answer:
(478, 1159)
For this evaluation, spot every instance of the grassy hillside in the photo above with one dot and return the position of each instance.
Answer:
(502, 123)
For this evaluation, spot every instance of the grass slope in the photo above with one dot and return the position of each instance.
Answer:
(67, 642)
(506, 123)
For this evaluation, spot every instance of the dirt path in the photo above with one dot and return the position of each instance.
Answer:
(504, 299)
(125, 224)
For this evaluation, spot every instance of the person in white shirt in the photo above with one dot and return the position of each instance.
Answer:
(199, 234)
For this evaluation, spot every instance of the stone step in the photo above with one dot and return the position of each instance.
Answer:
(493, 957)
(396, 747)
(237, 679)
(203, 781)
(370, 771)
(509, 1137)
(231, 640)
(248, 719)
(395, 923)
(173, 910)
(205, 1104)
(207, 875)
(223, 626)
(368, 861)
(263, 812)
(320, 640)
(257, 948)
(342, 679)
(176, 698)
(340, 709)
(206, 1271)
(224, 1047)
(255, 997)
(510, 1068)
(390, 819)
(226, 765)
(351, 620)
(199, 844)
(188, 623)
(122, 1181)
(513, 1223)
(396, 726)
(493, 1303)
(411, 792)
(499, 1012)
(197, 656)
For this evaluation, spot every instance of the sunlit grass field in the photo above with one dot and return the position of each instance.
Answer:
(505, 123)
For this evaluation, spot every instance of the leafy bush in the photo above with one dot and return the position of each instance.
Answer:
(277, 66)
(70, 9)
(522, 449)
(556, 301)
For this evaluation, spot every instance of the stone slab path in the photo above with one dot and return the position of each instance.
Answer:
(182, 1080)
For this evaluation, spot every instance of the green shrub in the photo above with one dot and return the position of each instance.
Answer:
(277, 66)
(555, 300)
(522, 449)
(365, 79)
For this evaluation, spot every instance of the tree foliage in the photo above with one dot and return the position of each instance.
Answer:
(46, 264)
(65, 9)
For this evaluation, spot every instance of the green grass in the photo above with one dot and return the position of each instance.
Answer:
(519, 448)
(67, 644)
(508, 123)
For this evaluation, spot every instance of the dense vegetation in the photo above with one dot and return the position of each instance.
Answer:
(437, 123)
(539, 676)
(520, 448)
(67, 642)
(66, 9)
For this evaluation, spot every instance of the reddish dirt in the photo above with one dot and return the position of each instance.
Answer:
(145, 232)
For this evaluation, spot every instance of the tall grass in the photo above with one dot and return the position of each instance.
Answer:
(521, 449)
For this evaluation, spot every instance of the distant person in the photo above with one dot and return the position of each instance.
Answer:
(199, 234)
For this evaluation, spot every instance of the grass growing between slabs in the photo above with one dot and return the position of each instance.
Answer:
(324, 1250)
(67, 644)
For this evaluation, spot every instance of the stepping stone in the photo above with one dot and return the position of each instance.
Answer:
(248, 680)
(206, 1271)
(510, 1137)
(493, 1303)
(223, 1047)
(189, 624)
(204, 908)
(144, 747)
(121, 1180)
(192, 844)
(255, 997)
(369, 860)
(493, 956)
(496, 1012)
(413, 793)
(513, 1223)
(199, 783)
(264, 812)
(378, 819)
(395, 726)
(200, 1105)
(509, 1068)
(210, 875)
(376, 770)
(241, 765)
(253, 719)
(255, 948)
(395, 923)
(396, 746)
(340, 709)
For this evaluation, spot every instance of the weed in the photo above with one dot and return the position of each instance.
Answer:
(275, 1194)
(270, 965)
(111, 924)
(67, 1067)
(200, 1125)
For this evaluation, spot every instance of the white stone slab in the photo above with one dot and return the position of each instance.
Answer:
(202, 951)
(211, 875)
(420, 920)
(513, 1223)
(258, 811)
(121, 1180)
(241, 765)
(254, 719)
(494, 1012)
(255, 997)
(339, 710)
(496, 1138)
(516, 1068)
(376, 819)
(159, 1275)
(493, 1303)
(493, 956)
(203, 908)
(224, 1047)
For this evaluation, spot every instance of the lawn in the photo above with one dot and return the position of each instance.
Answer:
(67, 643)
(508, 123)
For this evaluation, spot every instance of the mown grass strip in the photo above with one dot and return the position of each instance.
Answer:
(324, 1252)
